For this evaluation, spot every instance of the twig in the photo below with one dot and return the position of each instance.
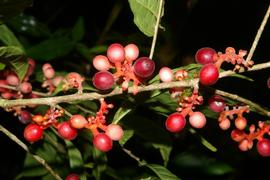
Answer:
(161, 3)
(133, 156)
(36, 157)
(258, 35)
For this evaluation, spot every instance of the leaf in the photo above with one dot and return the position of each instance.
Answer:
(121, 112)
(15, 58)
(7, 37)
(77, 32)
(162, 172)
(127, 135)
(165, 152)
(2, 66)
(241, 76)
(51, 49)
(145, 14)
(75, 157)
(100, 161)
(10, 8)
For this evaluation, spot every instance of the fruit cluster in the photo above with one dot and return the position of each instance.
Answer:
(126, 65)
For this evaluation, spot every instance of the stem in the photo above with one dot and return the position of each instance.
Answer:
(161, 3)
(133, 156)
(258, 35)
(36, 157)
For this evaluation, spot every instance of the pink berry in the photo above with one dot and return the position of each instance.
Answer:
(209, 74)
(78, 121)
(131, 52)
(103, 142)
(48, 71)
(268, 82)
(103, 80)
(216, 103)
(240, 123)
(116, 53)
(197, 120)
(263, 147)
(237, 135)
(243, 145)
(25, 117)
(7, 95)
(144, 67)
(13, 80)
(205, 55)
(3, 82)
(73, 177)
(225, 124)
(175, 122)
(33, 132)
(115, 132)
(25, 87)
(101, 63)
(166, 74)
(66, 131)
(57, 80)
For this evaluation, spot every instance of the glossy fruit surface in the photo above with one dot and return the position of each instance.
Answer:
(166, 74)
(131, 52)
(103, 142)
(33, 132)
(116, 53)
(144, 67)
(216, 103)
(205, 55)
(101, 63)
(197, 120)
(115, 132)
(208, 74)
(103, 80)
(66, 131)
(73, 177)
(78, 121)
(175, 122)
(263, 147)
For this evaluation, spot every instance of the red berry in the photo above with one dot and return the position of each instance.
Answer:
(7, 95)
(165, 74)
(103, 80)
(175, 122)
(66, 131)
(103, 142)
(25, 117)
(197, 120)
(25, 87)
(3, 82)
(78, 121)
(13, 80)
(33, 132)
(115, 132)
(116, 53)
(73, 177)
(263, 147)
(101, 63)
(144, 67)
(205, 55)
(237, 135)
(209, 74)
(216, 103)
(240, 123)
(131, 52)
(268, 82)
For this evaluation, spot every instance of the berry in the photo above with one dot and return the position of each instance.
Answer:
(73, 177)
(144, 67)
(115, 132)
(25, 117)
(7, 95)
(25, 87)
(205, 55)
(78, 121)
(131, 52)
(225, 124)
(3, 82)
(237, 135)
(101, 63)
(57, 80)
(268, 82)
(103, 142)
(209, 74)
(240, 123)
(175, 122)
(216, 103)
(103, 80)
(116, 53)
(48, 71)
(13, 80)
(38, 118)
(33, 132)
(263, 147)
(66, 131)
(165, 74)
(243, 145)
(197, 120)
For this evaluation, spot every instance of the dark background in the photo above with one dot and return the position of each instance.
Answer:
(189, 25)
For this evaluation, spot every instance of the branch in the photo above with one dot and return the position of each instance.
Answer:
(53, 101)
(36, 157)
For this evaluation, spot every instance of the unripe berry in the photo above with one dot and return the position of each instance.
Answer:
(240, 123)
(116, 53)
(57, 80)
(103, 142)
(166, 74)
(115, 132)
(48, 71)
(103, 80)
(243, 145)
(225, 124)
(205, 55)
(38, 118)
(25, 117)
(144, 67)
(216, 103)
(33, 132)
(13, 80)
(101, 63)
(66, 131)
(197, 120)
(131, 52)
(73, 177)
(78, 121)
(209, 74)
(237, 135)
(175, 122)
(263, 147)
(25, 87)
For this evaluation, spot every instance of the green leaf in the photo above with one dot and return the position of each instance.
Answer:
(2, 66)
(51, 49)
(100, 161)
(145, 14)
(75, 157)
(127, 135)
(78, 30)
(15, 58)
(121, 112)
(241, 76)
(165, 152)
(162, 172)
(10, 8)
(7, 37)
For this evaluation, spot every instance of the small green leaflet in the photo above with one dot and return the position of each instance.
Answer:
(8, 38)
(162, 172)
(127, 135)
